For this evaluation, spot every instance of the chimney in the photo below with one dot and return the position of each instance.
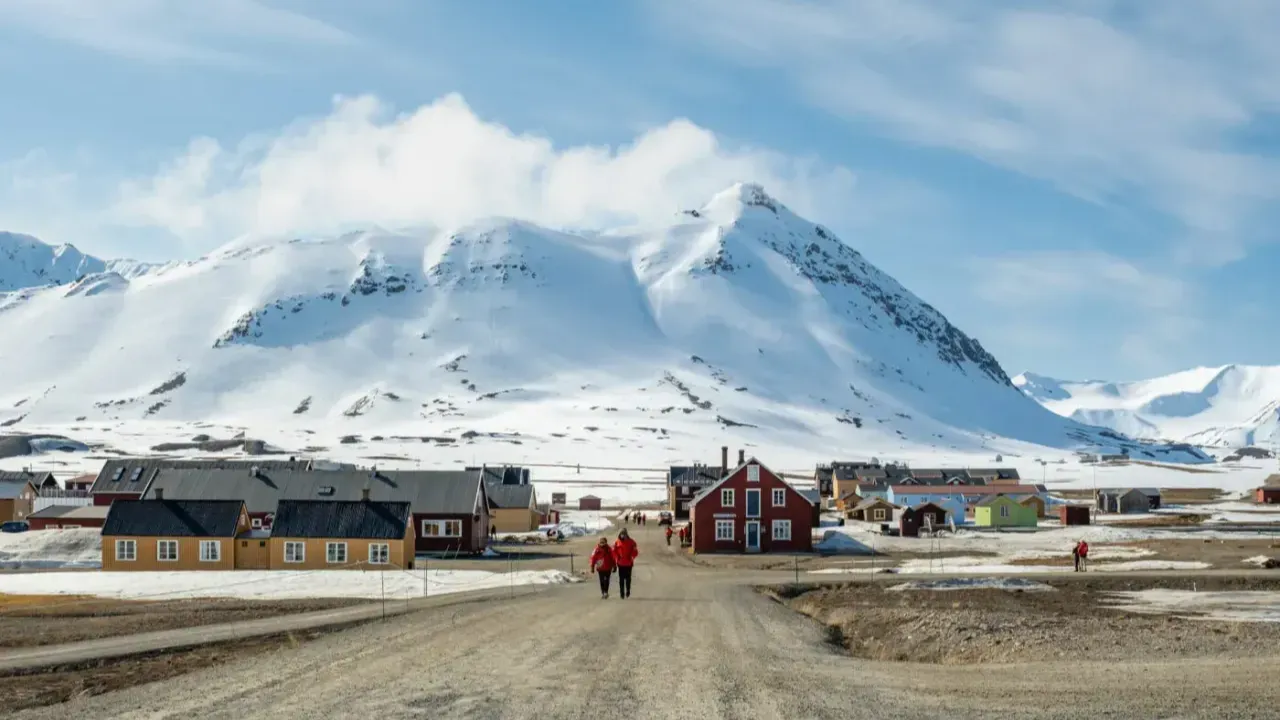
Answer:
(724, 460)
(159, 493)
(364, 494)
(742, 456)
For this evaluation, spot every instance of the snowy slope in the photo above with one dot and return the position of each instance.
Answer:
(738, 321)
(1230, 406)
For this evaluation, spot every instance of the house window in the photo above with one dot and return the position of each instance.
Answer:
(753, 473)
(442, 528)
(726, 498)
(167, 550)
(724, 531)
(1004, 511)
(779, 497)
(781, 529)
(877, 514)
(295, 552)
(256, 523)
(684, 505)
(126, 550)
(210, 551)
(379, 554)
(335, 553)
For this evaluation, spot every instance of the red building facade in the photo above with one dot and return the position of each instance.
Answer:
(752, 510)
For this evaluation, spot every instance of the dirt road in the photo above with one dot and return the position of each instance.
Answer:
(690, 643)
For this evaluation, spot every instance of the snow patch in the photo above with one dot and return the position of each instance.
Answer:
(1018, 584)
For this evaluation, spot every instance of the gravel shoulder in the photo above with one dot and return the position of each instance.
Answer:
(691, 642)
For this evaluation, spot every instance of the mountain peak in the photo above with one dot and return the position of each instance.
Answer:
(26, 261)
(734, 199)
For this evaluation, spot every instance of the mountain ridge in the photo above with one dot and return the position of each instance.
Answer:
(736, 317)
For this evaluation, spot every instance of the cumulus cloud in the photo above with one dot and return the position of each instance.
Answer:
(442, 165)
(1141, 103)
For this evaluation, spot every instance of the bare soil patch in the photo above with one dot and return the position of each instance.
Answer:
(33, 620)
(975, 626)
(1162, 520)
(59, 684)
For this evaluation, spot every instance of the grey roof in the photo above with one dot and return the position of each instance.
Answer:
(694, 474)
(812, 496)
(70, 512)
(131, 475)
(926, 473)
(444, 492)
(509, 496)
(869, 473)
(173, 518)
(38, 479)
(1148, 491)
(872, 501)
(10, 489)
(502, 474)
(371, 520)
(988, 500)
(53, 511)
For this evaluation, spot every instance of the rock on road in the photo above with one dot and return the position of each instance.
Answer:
(690, 643)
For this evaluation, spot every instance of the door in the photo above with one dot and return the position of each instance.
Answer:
(753, 534)
(753, 503)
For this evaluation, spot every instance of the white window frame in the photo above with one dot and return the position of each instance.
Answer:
(160, 554)
(295, 552)
(256, 523)
(777, 530)
(335, 553)
(878, 514)
(723, 536)
(440, 529)
(726, 497)
(779, 497)
(132, 550)
(1004, 511)
(759, 503)
(753, 473)
(379, 553)
(206, 546)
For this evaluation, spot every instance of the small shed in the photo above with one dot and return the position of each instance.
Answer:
(1036, 502)
(1267, 495)
(68, 517)
(588, 502)
(912, 519)
(1073, 514)
(1128, 500)
(559, 498)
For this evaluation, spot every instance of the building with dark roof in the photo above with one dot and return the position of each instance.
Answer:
(17, 497)
(342, 534)
(127, 478)
(450, 507)
(684, 482)
(164, 534)
(41, 480)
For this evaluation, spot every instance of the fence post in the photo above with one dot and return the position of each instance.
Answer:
(796, 559)
(571, 564)
(426, 572)
(382, 580)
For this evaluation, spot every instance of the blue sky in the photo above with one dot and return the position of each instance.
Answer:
(1089, 187)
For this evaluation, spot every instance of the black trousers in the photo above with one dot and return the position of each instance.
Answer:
(604, 580)
(624, 580)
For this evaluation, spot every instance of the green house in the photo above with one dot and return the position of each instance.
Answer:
(1004, 511)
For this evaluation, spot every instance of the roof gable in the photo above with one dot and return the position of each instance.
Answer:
(173, 518)
(994, 500)
(359, 519)
(10, 489)
(505, 496)
(734, 472)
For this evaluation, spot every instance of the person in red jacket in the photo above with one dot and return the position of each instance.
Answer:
(1084, 556)
(602, 564)
(669, 534)
(625, 553)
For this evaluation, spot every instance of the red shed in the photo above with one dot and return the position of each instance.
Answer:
(57, 517)
(1267, 495)
(751, 509)
(1073, 514)
(588, 502)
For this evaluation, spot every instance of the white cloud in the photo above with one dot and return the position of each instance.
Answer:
(442, 165)
(1145, 101)
(169, 30)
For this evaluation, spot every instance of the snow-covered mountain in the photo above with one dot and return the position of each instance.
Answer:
(26, 262)
(1230, 406)
(737, 320)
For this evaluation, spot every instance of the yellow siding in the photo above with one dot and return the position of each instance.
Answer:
(188, 554)
(514, 520)
(316, 554)
(253, 554)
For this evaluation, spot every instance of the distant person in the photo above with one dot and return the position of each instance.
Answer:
(669, 534)
(1075, 555)
(625, 553)
(644, 519)
(1084, 556)
(493, 531)
(602, 564)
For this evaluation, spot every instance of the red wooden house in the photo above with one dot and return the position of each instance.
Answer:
(751, 509)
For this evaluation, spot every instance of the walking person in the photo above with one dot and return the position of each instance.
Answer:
(1075, 555)
(1084, 556)
(602, 565)
(669, 534)
(625, 553)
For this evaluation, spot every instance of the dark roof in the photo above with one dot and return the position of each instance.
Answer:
(926, 473)
(444, 492)
(12, 488)
(871, 501)
(964, 489)
(869, 473)
(508, 496)
(502, 474)
(991, 499)
(698, 475)
(173, 518)
(1148, 491)
(38, 479)
(341, 519)
(823, 473)
(131, 475)
(812, 496)
(53, 511)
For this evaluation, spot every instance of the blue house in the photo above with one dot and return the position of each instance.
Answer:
(949, 498)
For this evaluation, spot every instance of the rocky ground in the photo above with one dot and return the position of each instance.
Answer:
(31, 620)
(1069, 622)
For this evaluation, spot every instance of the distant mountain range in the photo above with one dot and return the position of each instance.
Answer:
(736, 318)
(1229, 406)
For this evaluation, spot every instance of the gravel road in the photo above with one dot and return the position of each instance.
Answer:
(690, 643)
